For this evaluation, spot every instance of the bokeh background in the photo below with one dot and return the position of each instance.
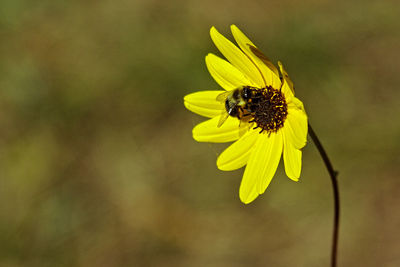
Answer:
(98, 166)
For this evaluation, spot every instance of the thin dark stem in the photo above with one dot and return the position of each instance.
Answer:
(333, 174)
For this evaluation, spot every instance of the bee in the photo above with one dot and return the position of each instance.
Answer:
(239, 103)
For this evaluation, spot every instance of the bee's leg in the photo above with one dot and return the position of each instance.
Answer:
(252, 120)
(240, 113)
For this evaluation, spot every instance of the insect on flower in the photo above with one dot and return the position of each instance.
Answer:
(258, 110)
(238, 103)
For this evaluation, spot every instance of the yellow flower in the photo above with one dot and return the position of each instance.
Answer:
(266, 119)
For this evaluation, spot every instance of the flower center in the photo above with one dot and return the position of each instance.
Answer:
(268, 109)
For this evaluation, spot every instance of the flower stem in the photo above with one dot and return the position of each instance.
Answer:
(333, 174)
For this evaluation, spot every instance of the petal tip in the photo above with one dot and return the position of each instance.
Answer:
(197, 138)
(195, 134)
(236, 32)
(209, 55)
(247, 200)
(219, 164)
(185, 103)
(213, 31)
(247, 197)
(207, 59)
(224, 166)
(186, 98)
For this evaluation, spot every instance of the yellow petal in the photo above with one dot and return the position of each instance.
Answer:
(286, 77)
(295, 102)
(261, 166)
(291, 157)
(297, 127)
(237, 58)
(287, 92)
(208, 131)
(204, 103)
(237, 154)
(226, 75)
(267, 69)
(296, 139)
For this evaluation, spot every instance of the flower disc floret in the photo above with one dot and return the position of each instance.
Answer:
(270, 111)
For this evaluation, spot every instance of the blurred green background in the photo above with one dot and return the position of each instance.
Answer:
(98, 166)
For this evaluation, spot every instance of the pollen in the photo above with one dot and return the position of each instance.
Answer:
(269, 110)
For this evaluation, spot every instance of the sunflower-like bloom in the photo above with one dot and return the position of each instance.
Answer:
(266, 119)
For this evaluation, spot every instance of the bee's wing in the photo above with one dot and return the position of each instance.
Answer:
(243, 128)
(224, 113)
(222, 96)
(222, 118)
